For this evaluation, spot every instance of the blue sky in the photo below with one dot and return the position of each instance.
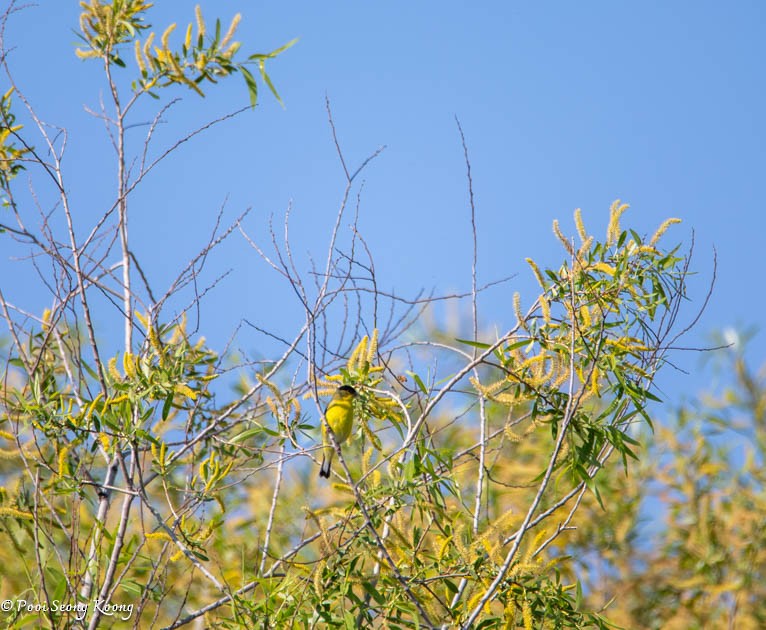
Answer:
(563, 105)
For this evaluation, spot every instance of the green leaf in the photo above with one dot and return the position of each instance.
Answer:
(167, 406)
(110, 424)
(590, 483)
(421, 385)
(133, 588)
(373, 592)
(250, 433)
(145, 435)
(475, 344)
(200, 555)
(91, 372)
(621, 239)
(268, 82)
(273, 53)
(252, 86)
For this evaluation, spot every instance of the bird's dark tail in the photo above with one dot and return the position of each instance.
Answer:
(324, 471)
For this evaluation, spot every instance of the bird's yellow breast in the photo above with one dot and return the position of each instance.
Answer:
(340, 416)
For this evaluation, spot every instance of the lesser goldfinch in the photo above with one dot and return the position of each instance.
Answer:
(340, 416)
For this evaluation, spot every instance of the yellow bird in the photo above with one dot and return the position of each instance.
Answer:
(340, 416)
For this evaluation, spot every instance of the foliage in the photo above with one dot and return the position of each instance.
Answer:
(105, 28)
(703, 475)
(161, 478)
(11, 156)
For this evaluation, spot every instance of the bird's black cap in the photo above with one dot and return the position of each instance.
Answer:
(348, 389)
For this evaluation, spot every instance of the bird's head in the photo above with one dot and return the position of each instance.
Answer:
(346, 391)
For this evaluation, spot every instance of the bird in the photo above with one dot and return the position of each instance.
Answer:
(340, 416)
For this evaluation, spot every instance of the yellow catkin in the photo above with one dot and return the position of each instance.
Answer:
(536, 271)
(159, 536)
(318, 572)
(526, 615)
(549, 373)
(185, 390)
(366, 458)
(109, 402)
(177, 72)
(538, 539)
(187, 39)
(62, 461)
(7, 455)
(226, 470)
(129, 364)
(594, 379)
(488, 391)
(200, 21)
(148, 46)
(563, 376)
(585, 316)
(112, 369)
(231, 31)
(231, 50)
(144, 319)
(604, 268)
(393, 464)
(517, 308)
(459, 543)
(154, 341)
(179, 331)
(358, 355)
(662, 229)
(569, 311)
(533, 360)
(108, 15)
(585, 247)
(506, 398)
(560, 235)
(9, 512)
(510, 615)
(537, 371)
(84, 22)
(166, 36)
(546, 308)
(580, 225)
(373, 350)
(511, 435)
(441, 545)
(615, 212)
(86, 54)
(92, 405)
(139, 57)
(296, 406)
